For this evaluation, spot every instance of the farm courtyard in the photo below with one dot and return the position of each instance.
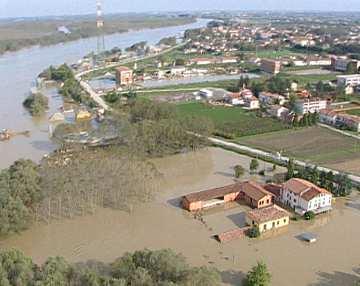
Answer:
(315, 145)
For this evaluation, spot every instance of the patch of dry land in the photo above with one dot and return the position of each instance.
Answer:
(315, 145)
(163, 224)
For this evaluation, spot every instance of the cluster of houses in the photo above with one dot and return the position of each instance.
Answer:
(296, 194)
(340, 120)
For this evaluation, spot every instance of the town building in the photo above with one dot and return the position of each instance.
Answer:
(269, 98)
(348, 80)
(344, 64)
(351, 122)
(124, 76)
(278, 111)
(270, 66)
(214, 94)
(310, 105)
(251, 103)
(304, 196)
(178, 71)
(269, 218)
(201, 61)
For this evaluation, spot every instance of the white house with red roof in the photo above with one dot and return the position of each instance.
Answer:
(304, 196)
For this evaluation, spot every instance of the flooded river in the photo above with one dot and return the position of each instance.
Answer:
(18, 71)
(163, 224)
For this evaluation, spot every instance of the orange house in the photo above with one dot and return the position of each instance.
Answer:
(255, 195)
(251, 192)
(124, 76)
(205, 199)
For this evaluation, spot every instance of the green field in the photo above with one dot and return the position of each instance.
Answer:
(315, 144)
(232, 122)
(354, 112)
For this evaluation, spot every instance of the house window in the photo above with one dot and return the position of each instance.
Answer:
(267, 201)
(294, 200)
(285, 220)
(278, 222)
(273, 224)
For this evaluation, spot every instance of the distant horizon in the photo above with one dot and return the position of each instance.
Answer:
(182, 11)
(41, 8)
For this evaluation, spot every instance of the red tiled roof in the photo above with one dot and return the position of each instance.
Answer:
(273, 212)
(211, 194)
(254, 190)
(123, 68)
(306, 189)
(274, 189)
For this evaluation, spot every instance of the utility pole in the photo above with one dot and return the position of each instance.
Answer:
(100, 27)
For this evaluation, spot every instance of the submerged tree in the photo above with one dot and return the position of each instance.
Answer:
(258, 275)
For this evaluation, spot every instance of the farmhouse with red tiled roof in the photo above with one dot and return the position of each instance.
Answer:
(304, 196)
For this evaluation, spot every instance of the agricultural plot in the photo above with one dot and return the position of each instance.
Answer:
(231, 122)
(316, 145)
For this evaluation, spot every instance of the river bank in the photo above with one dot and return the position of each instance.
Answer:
(163, 224)
(17, 35)
(20, 70)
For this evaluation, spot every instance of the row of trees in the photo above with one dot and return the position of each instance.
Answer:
(71, 88)
(339, 185)
(141, 268)
(308, 119)
(158, 130)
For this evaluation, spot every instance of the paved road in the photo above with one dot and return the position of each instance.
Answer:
(97, 97)
(133, 59)
(278, 158)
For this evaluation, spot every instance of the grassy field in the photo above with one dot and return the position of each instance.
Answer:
(354, 112)
(232, 121)
(305, 79)
(316, 145)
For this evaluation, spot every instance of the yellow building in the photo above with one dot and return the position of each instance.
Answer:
(268, 218)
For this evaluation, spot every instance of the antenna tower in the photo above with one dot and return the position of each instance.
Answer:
(100, 27)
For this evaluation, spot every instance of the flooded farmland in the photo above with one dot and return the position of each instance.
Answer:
(333, 260)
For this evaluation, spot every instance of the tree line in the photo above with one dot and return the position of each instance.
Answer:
(140, 268)
(338, 184)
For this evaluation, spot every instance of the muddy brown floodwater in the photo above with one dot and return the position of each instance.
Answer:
(333, 260)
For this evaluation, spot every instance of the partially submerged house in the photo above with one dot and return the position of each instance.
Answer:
(209, 198)
(304, 196)
(268, 218)
(255, 195)
(251, 192)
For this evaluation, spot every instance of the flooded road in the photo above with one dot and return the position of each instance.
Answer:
(332, 261)
(19, 70)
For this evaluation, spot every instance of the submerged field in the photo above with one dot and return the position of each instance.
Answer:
(232, 121)
(316, 145)
(163, 224)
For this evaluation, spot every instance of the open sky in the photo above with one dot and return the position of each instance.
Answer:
(17, 8)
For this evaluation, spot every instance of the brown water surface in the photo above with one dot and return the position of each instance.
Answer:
(333, 260)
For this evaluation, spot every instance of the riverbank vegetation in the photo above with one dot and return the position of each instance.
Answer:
(36, 104)
(15, 35)
(150, 268)
(70, 88)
